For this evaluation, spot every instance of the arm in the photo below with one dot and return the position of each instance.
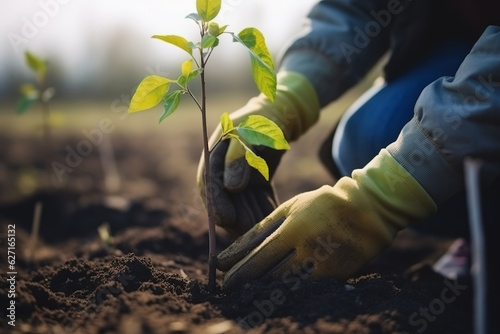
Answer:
(334, 50)
(242, 198)
(455, 117)
(334, 231)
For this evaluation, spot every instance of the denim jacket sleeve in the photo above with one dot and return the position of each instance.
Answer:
(456, 117)
(340, 43)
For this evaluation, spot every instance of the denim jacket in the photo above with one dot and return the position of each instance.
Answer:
(454, 117)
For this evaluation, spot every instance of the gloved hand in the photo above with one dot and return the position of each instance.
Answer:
(332, 231)
(242, 197)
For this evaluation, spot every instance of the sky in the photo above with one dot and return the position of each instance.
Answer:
(84, 38)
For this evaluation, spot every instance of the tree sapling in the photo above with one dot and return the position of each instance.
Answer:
(31, 95)
(254, 130)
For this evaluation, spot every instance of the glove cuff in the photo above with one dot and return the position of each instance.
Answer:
(398, 197)
(296, 107)
(297, 94)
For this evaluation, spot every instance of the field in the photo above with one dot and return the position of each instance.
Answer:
(150, 275)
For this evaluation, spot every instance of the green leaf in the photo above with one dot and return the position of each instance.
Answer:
(208, 9)
(253, 160)
(182, 81)
(222, 29)
(186, 67)
(215, 30)
(25, 102)
(29, 89)
(264, 78)
(257, 162)
(208, 41)
(262, 61)
(149, 93)
(194, 74)
(254, 40)
(171, 102)
(29, 96)
(259, 130)
(38, 65)
(226, 123)
(178, 41)
(194, 16)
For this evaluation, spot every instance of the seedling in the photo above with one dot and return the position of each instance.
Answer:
(105, 236)
(41, 94)
(35, 228)
(254, 130)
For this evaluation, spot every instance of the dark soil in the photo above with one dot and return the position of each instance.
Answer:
(151, 278)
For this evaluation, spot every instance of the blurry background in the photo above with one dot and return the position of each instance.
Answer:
(100, 48)
(98, 52)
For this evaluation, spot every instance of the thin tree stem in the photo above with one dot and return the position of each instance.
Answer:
(194, 98)
(212, 255)
(47, 136)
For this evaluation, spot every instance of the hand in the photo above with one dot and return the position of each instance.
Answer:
(242, 197)
(332, 231)
(238, 210)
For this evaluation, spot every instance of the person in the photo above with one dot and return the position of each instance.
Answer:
(398, 152)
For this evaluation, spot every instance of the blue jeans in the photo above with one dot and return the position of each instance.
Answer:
(375, 120)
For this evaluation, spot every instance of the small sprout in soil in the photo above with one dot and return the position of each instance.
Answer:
(182, 273)
(255, 130)
(37, 216)
(112, 181)
(105, 236)
(41, 94)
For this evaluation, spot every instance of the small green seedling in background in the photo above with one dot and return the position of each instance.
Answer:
(105, 236)
(254, 130)
(31, 95)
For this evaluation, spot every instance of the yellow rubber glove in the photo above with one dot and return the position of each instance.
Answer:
(242, 196)
(332, 231)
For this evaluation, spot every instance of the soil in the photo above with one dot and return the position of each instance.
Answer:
(151, 276)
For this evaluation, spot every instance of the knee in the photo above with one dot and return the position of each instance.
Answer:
(349, 148)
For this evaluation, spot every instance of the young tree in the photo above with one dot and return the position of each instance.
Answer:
(41, 94)
(254, 130)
